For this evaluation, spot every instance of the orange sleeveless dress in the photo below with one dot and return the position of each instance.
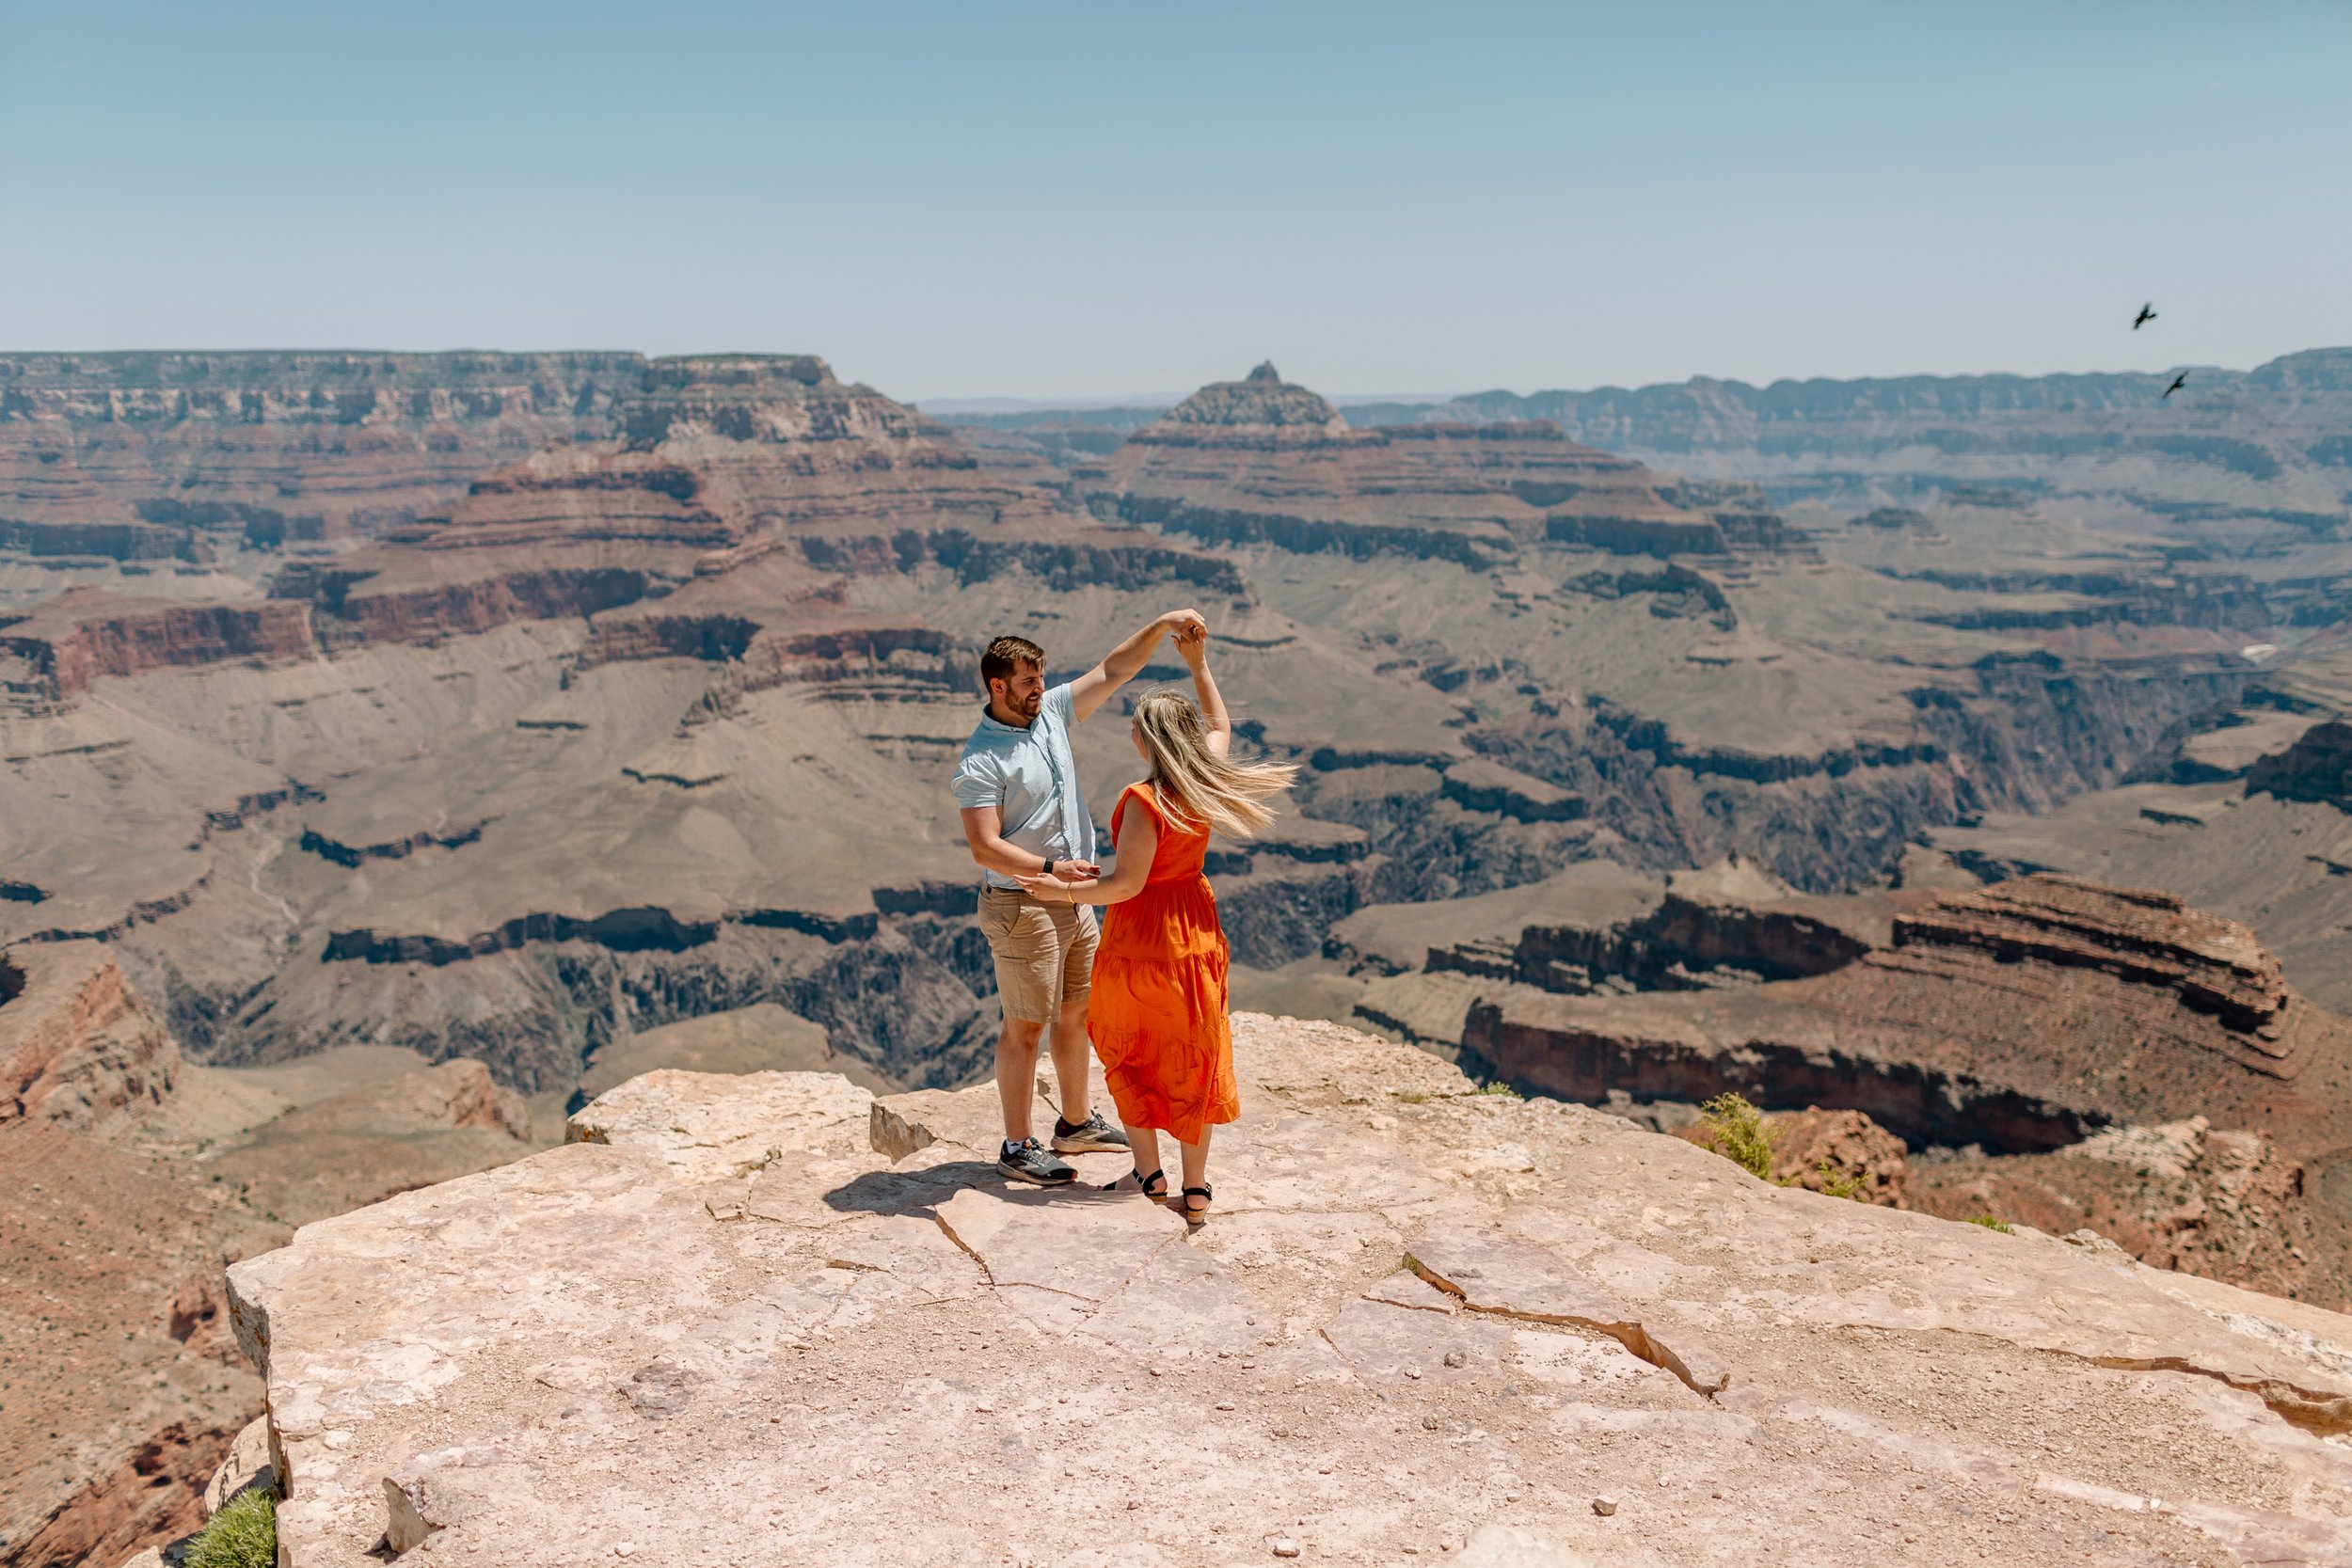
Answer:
(1157, 1010)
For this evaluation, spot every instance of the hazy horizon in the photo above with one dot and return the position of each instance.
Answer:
(1058, 204)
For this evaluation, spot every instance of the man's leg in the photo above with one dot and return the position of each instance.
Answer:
(1073, 1055)
(1016, 1074)
(1028, 952)
(1080, 1130)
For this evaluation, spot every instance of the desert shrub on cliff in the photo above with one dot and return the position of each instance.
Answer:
(243, 1535)
(1837, 1184)
(1738, 1133)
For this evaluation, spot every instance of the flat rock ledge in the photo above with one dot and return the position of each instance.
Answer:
(773, 1319)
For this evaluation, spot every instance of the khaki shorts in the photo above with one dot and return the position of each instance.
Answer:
(1044, 952)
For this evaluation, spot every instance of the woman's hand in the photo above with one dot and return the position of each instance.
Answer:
(1192, 642)
(1050, 890)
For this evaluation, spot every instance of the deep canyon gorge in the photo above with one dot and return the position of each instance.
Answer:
(404, 750)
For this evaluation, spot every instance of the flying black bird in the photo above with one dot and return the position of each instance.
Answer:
(2178, 382)
(2147, 314)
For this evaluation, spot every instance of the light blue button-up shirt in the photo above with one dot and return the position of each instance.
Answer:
(1031, 779)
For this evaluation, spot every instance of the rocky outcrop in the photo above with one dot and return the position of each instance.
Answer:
(132, 1177)
(2146, 936)
(1727, 926)
(1495, 1308)
(79, 1049)
(1262, 461)
(154, 1494)
(84, 635)
(2318, 766)
(1259, 401)
(2225, 1204)
(2022, 1019)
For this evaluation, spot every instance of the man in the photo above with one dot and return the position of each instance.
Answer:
(1017, 787)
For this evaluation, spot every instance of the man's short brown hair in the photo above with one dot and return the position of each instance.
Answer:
(1007, 656)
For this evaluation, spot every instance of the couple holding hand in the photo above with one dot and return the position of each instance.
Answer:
(1148, 987)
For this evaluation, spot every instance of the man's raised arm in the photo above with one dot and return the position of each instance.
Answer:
(1120, 665)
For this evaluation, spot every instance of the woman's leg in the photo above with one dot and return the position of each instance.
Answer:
(1145, 1141)
(1195, 1163)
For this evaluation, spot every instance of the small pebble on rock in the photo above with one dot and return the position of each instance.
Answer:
(1455, 1359)
(1604, 1505)
(1285, 1547)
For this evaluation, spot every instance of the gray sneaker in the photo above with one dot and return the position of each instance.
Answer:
(1027, 1161)
(1092, 1137)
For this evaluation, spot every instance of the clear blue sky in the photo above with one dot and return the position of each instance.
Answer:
(1095, 200)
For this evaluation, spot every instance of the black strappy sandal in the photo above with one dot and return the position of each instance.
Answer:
(1143, 1184)
(1192, 1216)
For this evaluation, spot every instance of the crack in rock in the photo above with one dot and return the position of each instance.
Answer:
(1508, 1280)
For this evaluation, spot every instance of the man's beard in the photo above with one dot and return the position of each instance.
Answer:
(1027, 707)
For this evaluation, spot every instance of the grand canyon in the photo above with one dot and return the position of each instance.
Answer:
(481, 817)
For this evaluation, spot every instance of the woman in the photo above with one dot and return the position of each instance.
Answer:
(1157, 1015)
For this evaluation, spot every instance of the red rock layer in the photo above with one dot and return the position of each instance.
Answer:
(155, 1494)
(78, 1046)
(2021, 1017)
(86, 633)
(2151, 937)
(736, 493)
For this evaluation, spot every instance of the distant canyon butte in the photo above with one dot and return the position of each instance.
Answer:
(525, 707)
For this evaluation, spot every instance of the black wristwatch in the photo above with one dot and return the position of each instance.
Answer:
(1049, 867)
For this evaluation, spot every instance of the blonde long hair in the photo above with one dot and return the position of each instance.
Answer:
(1194, 785)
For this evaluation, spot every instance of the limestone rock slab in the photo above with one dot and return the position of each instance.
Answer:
(573, 1361)
(715, 1126)
(1083, 1244)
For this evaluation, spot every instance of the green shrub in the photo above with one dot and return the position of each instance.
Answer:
(1499, 1088)
(1740, 1135)
(1993, 1222)
(243, 1535)
(1412, 1097)
(1856, 1186)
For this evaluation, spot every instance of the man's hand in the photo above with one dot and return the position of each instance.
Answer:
(1075, 871)
(1181, 624)
(1124, 662)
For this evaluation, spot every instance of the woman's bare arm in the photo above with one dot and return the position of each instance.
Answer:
(1192, 643)
(1142, 838)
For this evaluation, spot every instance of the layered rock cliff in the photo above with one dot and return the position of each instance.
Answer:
(198, 456)
(726, 641)
(2021, 1020)
(1262, 461)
